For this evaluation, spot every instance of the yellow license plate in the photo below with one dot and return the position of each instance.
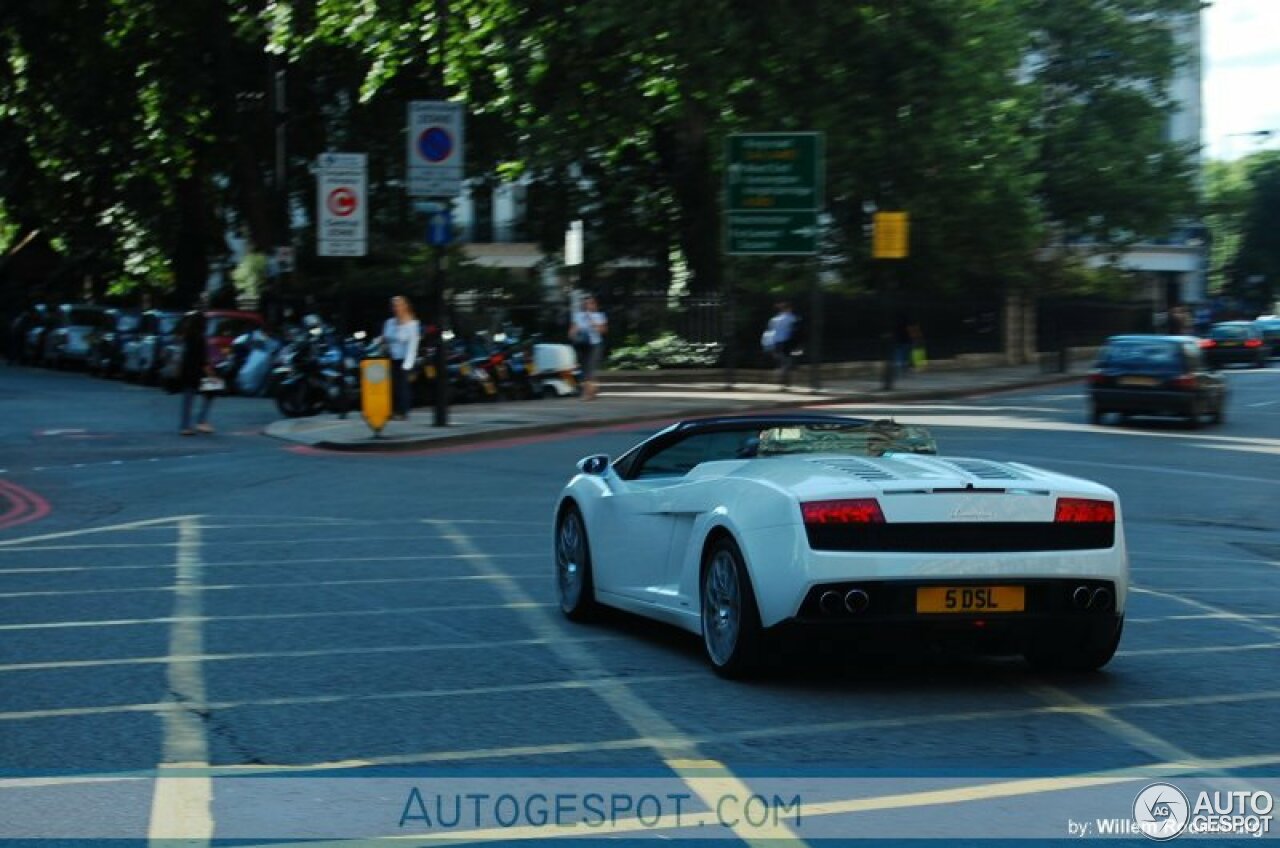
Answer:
(1137, 381)
(1230, 344)
(979, 599)
(431, 372)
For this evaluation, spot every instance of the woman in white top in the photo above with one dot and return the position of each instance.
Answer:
(587, 331)
(401, 333)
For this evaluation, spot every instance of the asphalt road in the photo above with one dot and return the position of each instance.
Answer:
(227, 601)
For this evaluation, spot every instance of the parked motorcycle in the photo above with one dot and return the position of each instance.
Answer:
(247, 366)
(317, 372)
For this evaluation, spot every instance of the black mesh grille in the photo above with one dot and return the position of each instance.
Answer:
(961, 537)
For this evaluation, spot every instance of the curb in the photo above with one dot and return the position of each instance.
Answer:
(525, 431)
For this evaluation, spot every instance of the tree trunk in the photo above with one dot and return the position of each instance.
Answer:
(190, 252)
(689, 164)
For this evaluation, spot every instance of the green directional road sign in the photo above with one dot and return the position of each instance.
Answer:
(769, 172)
(772, 233)
(773, 192)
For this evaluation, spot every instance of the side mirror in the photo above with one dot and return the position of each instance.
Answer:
(594, 465)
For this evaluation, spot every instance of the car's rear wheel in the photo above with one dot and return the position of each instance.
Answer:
(1095, 414)
(1086, 649)
(1219, 412)
(573, 566)
(731, 631)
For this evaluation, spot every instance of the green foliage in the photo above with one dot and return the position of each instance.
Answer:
(1254, 271)
(666, 351)
(250, 275)
(136, 132)
(1227, 193)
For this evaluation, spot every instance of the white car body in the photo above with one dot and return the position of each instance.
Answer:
(956, 521)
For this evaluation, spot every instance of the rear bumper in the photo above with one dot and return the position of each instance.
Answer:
(890, 621)
(1235, 355)
(1137, 400)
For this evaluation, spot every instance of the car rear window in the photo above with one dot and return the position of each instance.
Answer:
(1141, 353)
(127, 323)
(1230, 331)
(231, 326)
(169, 323)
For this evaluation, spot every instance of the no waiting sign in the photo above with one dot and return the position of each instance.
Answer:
(341, 205)
(435, 148)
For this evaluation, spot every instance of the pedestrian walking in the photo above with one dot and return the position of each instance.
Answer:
(402, 332)
(195, 374)
(779, 339)
(902, 343)
(587, 330)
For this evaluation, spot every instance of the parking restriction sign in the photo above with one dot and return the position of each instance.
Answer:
(435, 148)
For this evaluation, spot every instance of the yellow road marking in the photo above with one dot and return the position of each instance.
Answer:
(266, 616)
(1229, 615)
(476, 645)
(181, 806)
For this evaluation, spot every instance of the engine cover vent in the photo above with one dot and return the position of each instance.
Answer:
(860, 468)
(984, 470)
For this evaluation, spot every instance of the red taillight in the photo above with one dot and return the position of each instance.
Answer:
(1084, 510)
(860, 511)
(1208, 343)
(1253, 343)
(1095, 377)
(1186, 381)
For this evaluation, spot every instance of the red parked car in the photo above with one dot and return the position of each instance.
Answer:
(223, 326)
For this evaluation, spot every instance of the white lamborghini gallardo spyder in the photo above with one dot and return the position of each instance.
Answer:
(738, 528)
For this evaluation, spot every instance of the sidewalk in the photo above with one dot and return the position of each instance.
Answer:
(623, 402)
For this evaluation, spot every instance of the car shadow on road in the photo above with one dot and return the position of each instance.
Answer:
(815, 664)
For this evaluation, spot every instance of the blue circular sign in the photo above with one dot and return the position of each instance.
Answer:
(435, 144)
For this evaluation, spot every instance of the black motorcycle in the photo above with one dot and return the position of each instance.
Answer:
(318, 372)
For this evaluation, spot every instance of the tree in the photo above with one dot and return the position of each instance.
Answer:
(1103, 70)
(1254, 272)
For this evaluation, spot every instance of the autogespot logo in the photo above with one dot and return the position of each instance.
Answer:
(1161, 811)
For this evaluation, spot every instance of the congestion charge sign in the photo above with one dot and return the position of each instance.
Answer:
(342, 222)
(343, 202)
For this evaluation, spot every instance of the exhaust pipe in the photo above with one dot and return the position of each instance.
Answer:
(1082, 597)
(830, 603)
(856, 601)
(1101, 600)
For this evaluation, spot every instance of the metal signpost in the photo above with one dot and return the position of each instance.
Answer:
(890, 239)
(435, 159)
(341, 199)
(773, 194)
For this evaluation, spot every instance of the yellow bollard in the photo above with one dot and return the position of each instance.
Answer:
(375, 393)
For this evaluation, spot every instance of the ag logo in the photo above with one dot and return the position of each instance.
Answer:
(1161, 810)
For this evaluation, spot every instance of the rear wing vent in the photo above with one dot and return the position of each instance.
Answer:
(860, 468)
(984, 470)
